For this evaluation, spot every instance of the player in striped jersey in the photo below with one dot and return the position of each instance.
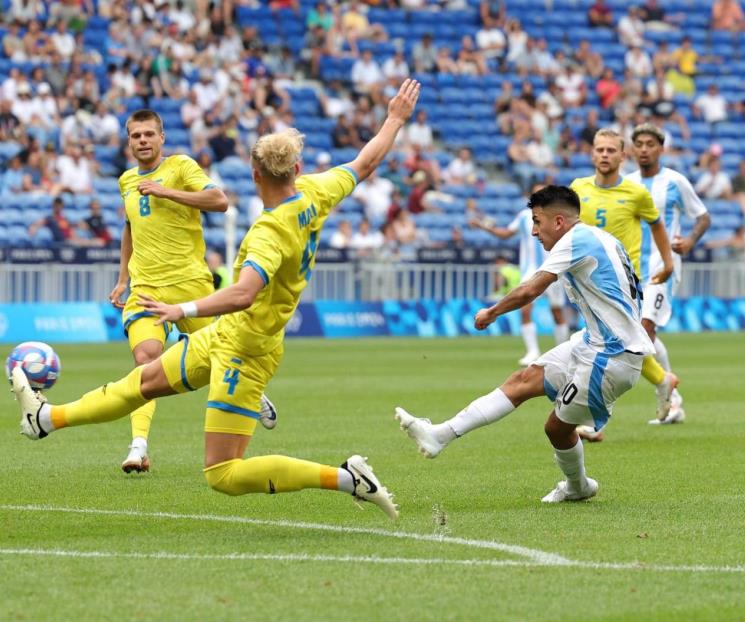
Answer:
(583, 376)
(673, 196)
(531, 256)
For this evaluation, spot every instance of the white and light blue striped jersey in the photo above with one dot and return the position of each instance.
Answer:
(673, 195)
(531, 251)
(599, 278)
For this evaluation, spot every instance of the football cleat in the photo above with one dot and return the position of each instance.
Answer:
(421, 430)
(30, 402)
(367, 487)
(268, 413)
(664, 394)
(135, 461)
(562, 492)
(529, 358)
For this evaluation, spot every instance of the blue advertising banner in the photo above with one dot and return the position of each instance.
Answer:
(55, 323)
(351, 319)
(96, 323)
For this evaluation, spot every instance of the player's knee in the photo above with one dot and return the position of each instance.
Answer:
(524, 384)
(220, 477)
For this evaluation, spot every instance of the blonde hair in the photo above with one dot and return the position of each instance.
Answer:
(276, 154)
(608, 133)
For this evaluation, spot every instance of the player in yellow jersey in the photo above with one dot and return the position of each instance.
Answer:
(239, 353)
(619, 206)
(162, 251)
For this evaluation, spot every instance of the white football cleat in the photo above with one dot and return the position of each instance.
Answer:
(136, 461)
(664, 392)
(367, 487)
(676, 415)
(30, 403)
(529, 358)
(422, 433)
(268, 413)
(561, 492)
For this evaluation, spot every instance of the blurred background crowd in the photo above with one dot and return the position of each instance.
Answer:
(512, 95)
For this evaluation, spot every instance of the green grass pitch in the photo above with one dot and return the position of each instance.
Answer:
(663, 540)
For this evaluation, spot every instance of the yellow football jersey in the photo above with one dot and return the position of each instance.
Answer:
(281, 247)
(167, 241)
(619, 210)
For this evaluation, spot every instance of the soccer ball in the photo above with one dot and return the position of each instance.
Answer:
(38, 361)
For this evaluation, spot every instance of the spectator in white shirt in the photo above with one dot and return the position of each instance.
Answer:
(75, 171)
(419, 133)
(714, 183)
(45, 106)
(342, 237)
(538, 152)
(105, 126)
(572, 86)
(366, 75)
(76, 129)
(638, 62)
(711, 105)
(123, 79)
(631, 28)
(376, 194)
(63, 41)
(396, 67)
(492, 42)
(461, 170)
(366, 240)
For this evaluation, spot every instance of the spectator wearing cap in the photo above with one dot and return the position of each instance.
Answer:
(714, 183)
(57, 223)
(22, 105)
(727, 15)
(711, 106)
(424, 55)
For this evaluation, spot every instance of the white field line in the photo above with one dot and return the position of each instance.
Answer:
(353, 559)
(534, 555)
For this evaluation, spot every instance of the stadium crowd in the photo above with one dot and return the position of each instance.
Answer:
(512, 96)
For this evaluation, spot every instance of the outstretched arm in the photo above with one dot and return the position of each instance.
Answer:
(236, 297)
(399, 111)
(519, 297)
(502, 233)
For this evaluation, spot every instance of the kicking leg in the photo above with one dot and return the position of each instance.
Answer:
(432, 439)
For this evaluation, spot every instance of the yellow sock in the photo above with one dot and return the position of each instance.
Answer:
(141, 420)
(652, 370)
(106, 403)
(270, 474)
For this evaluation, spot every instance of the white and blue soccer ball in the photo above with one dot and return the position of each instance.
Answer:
(38, 361)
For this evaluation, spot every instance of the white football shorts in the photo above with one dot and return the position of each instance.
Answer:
(584, 383)
(657, 305)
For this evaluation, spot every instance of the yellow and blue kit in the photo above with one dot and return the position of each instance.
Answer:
(240, 352)
(619, 210)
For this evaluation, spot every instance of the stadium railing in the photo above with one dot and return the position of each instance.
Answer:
(348, 281)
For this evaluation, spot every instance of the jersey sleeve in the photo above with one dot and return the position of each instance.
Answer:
(193, 178)
(264, 254)
(693, 206)
(330, 187)
(646, 208)
(559, 259)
